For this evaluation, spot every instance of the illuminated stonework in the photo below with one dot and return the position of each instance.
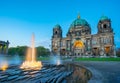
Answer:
(80, 42)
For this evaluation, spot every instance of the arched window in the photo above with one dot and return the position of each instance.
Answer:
(56, 32)
(105, 26)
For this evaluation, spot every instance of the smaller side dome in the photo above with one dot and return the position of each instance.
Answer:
(104, 18)
(57, 26)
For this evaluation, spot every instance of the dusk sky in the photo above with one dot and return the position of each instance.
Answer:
(20, 18)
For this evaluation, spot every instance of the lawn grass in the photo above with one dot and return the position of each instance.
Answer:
(85, 59)
(97, 59)
(43, 58)
(80, 59)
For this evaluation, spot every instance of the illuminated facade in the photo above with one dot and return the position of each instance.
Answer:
(80, 42)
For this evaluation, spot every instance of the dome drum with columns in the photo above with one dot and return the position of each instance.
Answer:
(80, 42)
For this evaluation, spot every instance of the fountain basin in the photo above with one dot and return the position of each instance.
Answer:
(49, 73)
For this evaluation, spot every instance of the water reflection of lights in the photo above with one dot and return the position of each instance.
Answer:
(55, 60)
(3, 66)
(58, 62)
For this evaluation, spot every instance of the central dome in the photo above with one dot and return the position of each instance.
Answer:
(79, 22)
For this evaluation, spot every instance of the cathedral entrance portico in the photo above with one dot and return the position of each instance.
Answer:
(78, 48)
(78, 52)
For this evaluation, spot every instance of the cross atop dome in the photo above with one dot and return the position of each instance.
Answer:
(78, 16)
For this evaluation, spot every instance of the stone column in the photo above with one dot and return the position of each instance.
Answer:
(6, 49)
(114, 50)
(7, 46)
(58, 51)
(104, 54)
(2, 50)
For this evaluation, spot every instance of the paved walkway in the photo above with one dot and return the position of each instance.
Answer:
(103, 72)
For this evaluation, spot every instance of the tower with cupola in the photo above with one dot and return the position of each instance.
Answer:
(106, 37)
(104, 25)
(56, 39)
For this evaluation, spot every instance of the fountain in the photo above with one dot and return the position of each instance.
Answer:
(30, 62)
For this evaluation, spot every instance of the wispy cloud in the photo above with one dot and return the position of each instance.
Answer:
(46, 43)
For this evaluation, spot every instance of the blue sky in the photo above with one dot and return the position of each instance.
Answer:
(20, 18)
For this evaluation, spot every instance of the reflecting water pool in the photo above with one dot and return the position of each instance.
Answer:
(49, 73)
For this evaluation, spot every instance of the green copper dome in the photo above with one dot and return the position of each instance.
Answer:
(104, 18)
(57, 26)
(79, 22)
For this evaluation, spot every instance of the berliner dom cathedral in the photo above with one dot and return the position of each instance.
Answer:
(80, 42)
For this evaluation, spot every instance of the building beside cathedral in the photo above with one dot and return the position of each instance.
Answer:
(4, 47)
(80, 42)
